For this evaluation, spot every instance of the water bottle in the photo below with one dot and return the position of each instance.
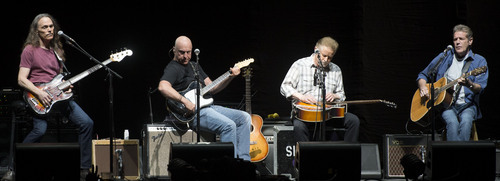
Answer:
(125, 134)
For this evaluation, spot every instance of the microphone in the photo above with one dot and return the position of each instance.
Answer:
(448, 48)
(61, 33)
(196, 52)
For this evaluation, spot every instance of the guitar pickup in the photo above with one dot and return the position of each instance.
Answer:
(34, 101)
(48, 92)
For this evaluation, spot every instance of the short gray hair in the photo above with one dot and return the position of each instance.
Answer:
(463, 28)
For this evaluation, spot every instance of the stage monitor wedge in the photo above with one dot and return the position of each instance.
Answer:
(328, 161)
(453, 160)
(47, 161)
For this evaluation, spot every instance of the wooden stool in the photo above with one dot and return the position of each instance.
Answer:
(473, 133)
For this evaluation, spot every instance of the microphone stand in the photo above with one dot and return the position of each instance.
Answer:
(432, 77)
(150, 105)
(321, 82)
(198, 97)
(110, 75)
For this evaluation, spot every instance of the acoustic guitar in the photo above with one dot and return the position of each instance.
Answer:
(55, 88)
(313, 112)
(259, 148)
(442, 93)
(180, 111)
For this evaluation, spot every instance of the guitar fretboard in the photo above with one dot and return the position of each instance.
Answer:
(82, 75)
(248, 95)
(214, 83)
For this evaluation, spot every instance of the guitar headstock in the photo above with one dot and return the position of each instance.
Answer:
(478, 71)
(244, 63)
(248, 72)
(389, 104)
(119, 56)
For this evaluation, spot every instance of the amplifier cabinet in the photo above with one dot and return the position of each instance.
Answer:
(156, 148)
(127, 150)
(283, 151)
(398, 145)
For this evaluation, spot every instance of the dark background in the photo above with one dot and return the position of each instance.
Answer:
(383, 46)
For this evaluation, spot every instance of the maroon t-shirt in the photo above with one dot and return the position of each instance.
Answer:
(42, 63)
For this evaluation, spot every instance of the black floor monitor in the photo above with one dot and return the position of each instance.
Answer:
(461, 161)
(47, 161)
(328, 161)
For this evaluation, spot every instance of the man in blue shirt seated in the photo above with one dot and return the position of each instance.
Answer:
(464, 108)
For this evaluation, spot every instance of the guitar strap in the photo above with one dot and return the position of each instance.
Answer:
(62, 63)
(459, 87)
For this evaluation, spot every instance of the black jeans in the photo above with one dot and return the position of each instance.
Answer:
(301, 129)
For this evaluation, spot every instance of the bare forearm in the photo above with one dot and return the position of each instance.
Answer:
(169, 92)
(28, 85)
(222, 85)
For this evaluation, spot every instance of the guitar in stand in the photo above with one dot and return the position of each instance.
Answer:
(259, 148)
(444, 94)
(55, 88)
(179, 110)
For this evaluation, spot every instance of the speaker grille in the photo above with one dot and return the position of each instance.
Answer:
(397, 146)
(156, 147)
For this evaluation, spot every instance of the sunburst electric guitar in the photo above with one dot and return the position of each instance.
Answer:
(420, 106)
(179, 110)
(55, 88)
(258, 143)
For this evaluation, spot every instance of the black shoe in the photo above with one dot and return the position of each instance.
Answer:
(83, 174)
(9, 176)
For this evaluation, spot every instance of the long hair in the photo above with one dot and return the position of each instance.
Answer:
(33, 38)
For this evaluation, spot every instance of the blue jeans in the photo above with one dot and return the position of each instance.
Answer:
(232, 125)
(77, 116)
(458, 119)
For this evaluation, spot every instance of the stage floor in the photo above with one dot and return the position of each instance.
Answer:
(4, 169)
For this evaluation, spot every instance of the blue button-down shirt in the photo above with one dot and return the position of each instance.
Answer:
(481, 79)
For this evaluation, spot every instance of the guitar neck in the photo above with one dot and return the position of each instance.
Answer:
(214, 83)
(224, 76)
(373, 101)
(82, 75)
(361, 101)
(248, 96)
(450, 84)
